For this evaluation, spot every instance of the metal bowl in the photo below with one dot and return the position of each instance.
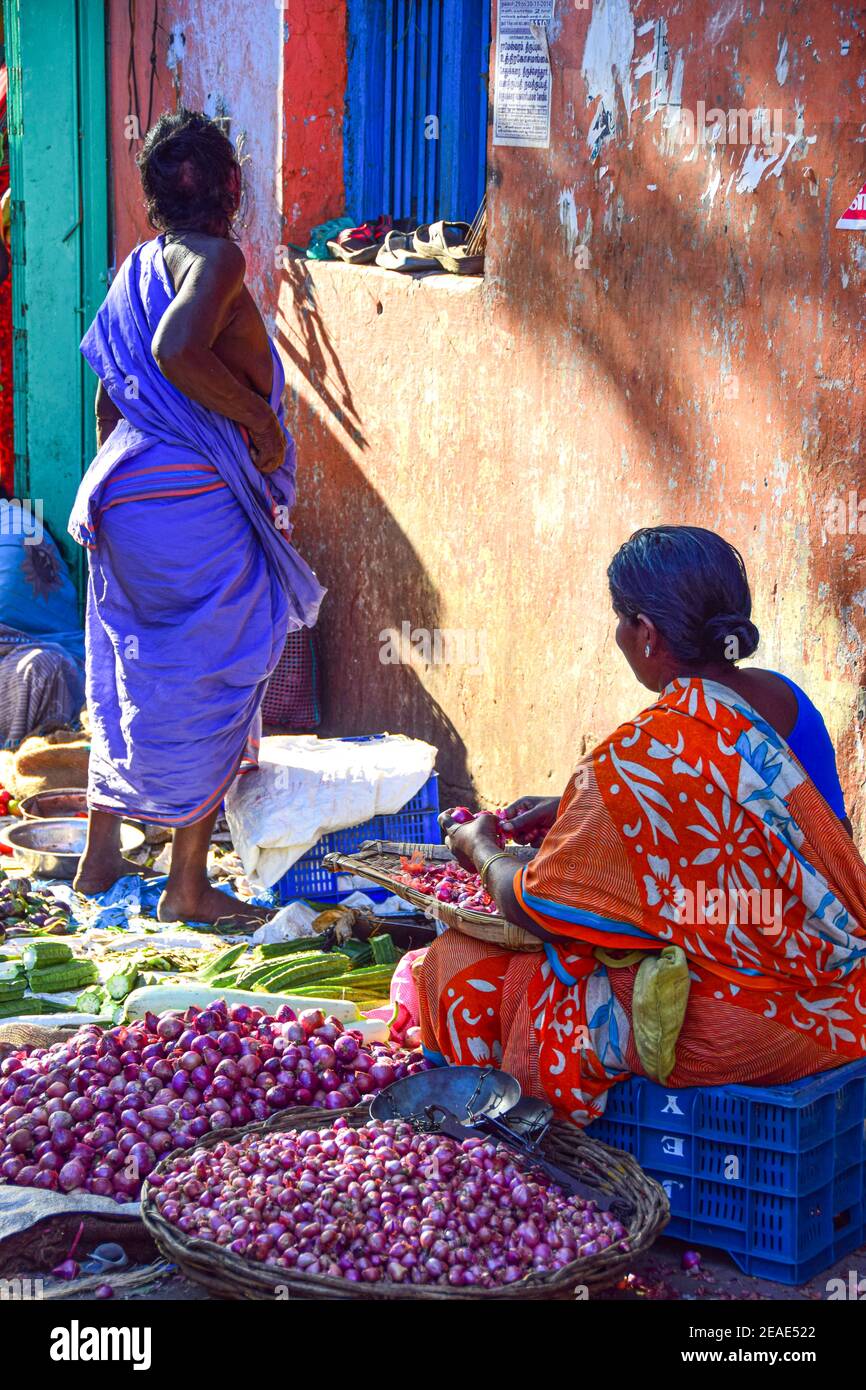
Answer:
(469, 1092)
(58, 802)
(52, 848)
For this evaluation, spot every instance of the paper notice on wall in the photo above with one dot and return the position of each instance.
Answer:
(854, 220)
(521, 99)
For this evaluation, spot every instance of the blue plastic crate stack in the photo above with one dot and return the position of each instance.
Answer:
(772, 1174)
(416, 823)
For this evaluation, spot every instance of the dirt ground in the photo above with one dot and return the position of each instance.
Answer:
(657, 1275)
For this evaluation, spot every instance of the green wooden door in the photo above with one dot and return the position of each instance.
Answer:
(59, 179)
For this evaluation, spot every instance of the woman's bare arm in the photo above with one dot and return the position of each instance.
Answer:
(107, 415)
(183, 349)
(472, 845)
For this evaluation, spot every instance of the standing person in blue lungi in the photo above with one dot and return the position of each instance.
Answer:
(185, 514)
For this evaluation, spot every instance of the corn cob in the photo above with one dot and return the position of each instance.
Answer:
(13, 990)
(37, 954)
(72, 974)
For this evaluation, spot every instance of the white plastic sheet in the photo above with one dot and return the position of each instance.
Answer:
(305, 787)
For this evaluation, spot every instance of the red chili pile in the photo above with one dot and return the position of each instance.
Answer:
(382, 1203)
(98, 1111)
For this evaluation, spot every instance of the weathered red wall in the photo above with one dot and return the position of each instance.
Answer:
(314, 87)
(127, 117)
(473, 455)
(212, 57)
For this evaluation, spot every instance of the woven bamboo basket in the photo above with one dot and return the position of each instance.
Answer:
(225, 1275)
(379, 861)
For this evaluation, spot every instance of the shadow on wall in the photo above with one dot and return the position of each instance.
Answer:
(711, 334)
(372, 565)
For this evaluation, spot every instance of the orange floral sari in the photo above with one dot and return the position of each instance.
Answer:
(692, 825)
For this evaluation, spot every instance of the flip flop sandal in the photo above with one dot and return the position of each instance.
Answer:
(459, 262)
(359, 245)
(397, 253)
(382, 226)
(359, 248)
(105, 1258)
(440, 237)
(239, 922)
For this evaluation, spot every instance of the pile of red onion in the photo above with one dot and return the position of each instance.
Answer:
(462, 815)
(99, 1110)
(448, 883)
(382, 1203)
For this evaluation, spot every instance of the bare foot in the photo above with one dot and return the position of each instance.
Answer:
(207, 904)
(98, 875)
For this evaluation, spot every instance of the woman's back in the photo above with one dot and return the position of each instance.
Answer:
(788, 710)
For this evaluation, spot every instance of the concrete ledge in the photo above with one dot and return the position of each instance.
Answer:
(375, 277)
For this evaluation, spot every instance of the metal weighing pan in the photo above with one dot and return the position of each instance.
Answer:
(470, 1093)
(52, 848)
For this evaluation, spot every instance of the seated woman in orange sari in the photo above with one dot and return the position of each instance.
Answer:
(714, 822)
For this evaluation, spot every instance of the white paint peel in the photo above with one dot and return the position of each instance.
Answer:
(675, 96)
(709, 194)
(656, 62)
(242, 78)
(758, 161)
(176, 48)
(606, 66)
(666, 78)
(567, 209)
(718, 22)
(782, 64)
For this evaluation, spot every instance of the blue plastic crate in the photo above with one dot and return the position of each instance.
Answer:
(416, 823)
(774, 1175)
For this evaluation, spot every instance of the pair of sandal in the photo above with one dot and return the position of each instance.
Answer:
(360, 245)
(439, 245)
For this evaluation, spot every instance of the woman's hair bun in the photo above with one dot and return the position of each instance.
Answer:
(730, 637)
(692, 584)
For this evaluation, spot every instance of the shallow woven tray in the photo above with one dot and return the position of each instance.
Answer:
(378, 860)
(226, 1275)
